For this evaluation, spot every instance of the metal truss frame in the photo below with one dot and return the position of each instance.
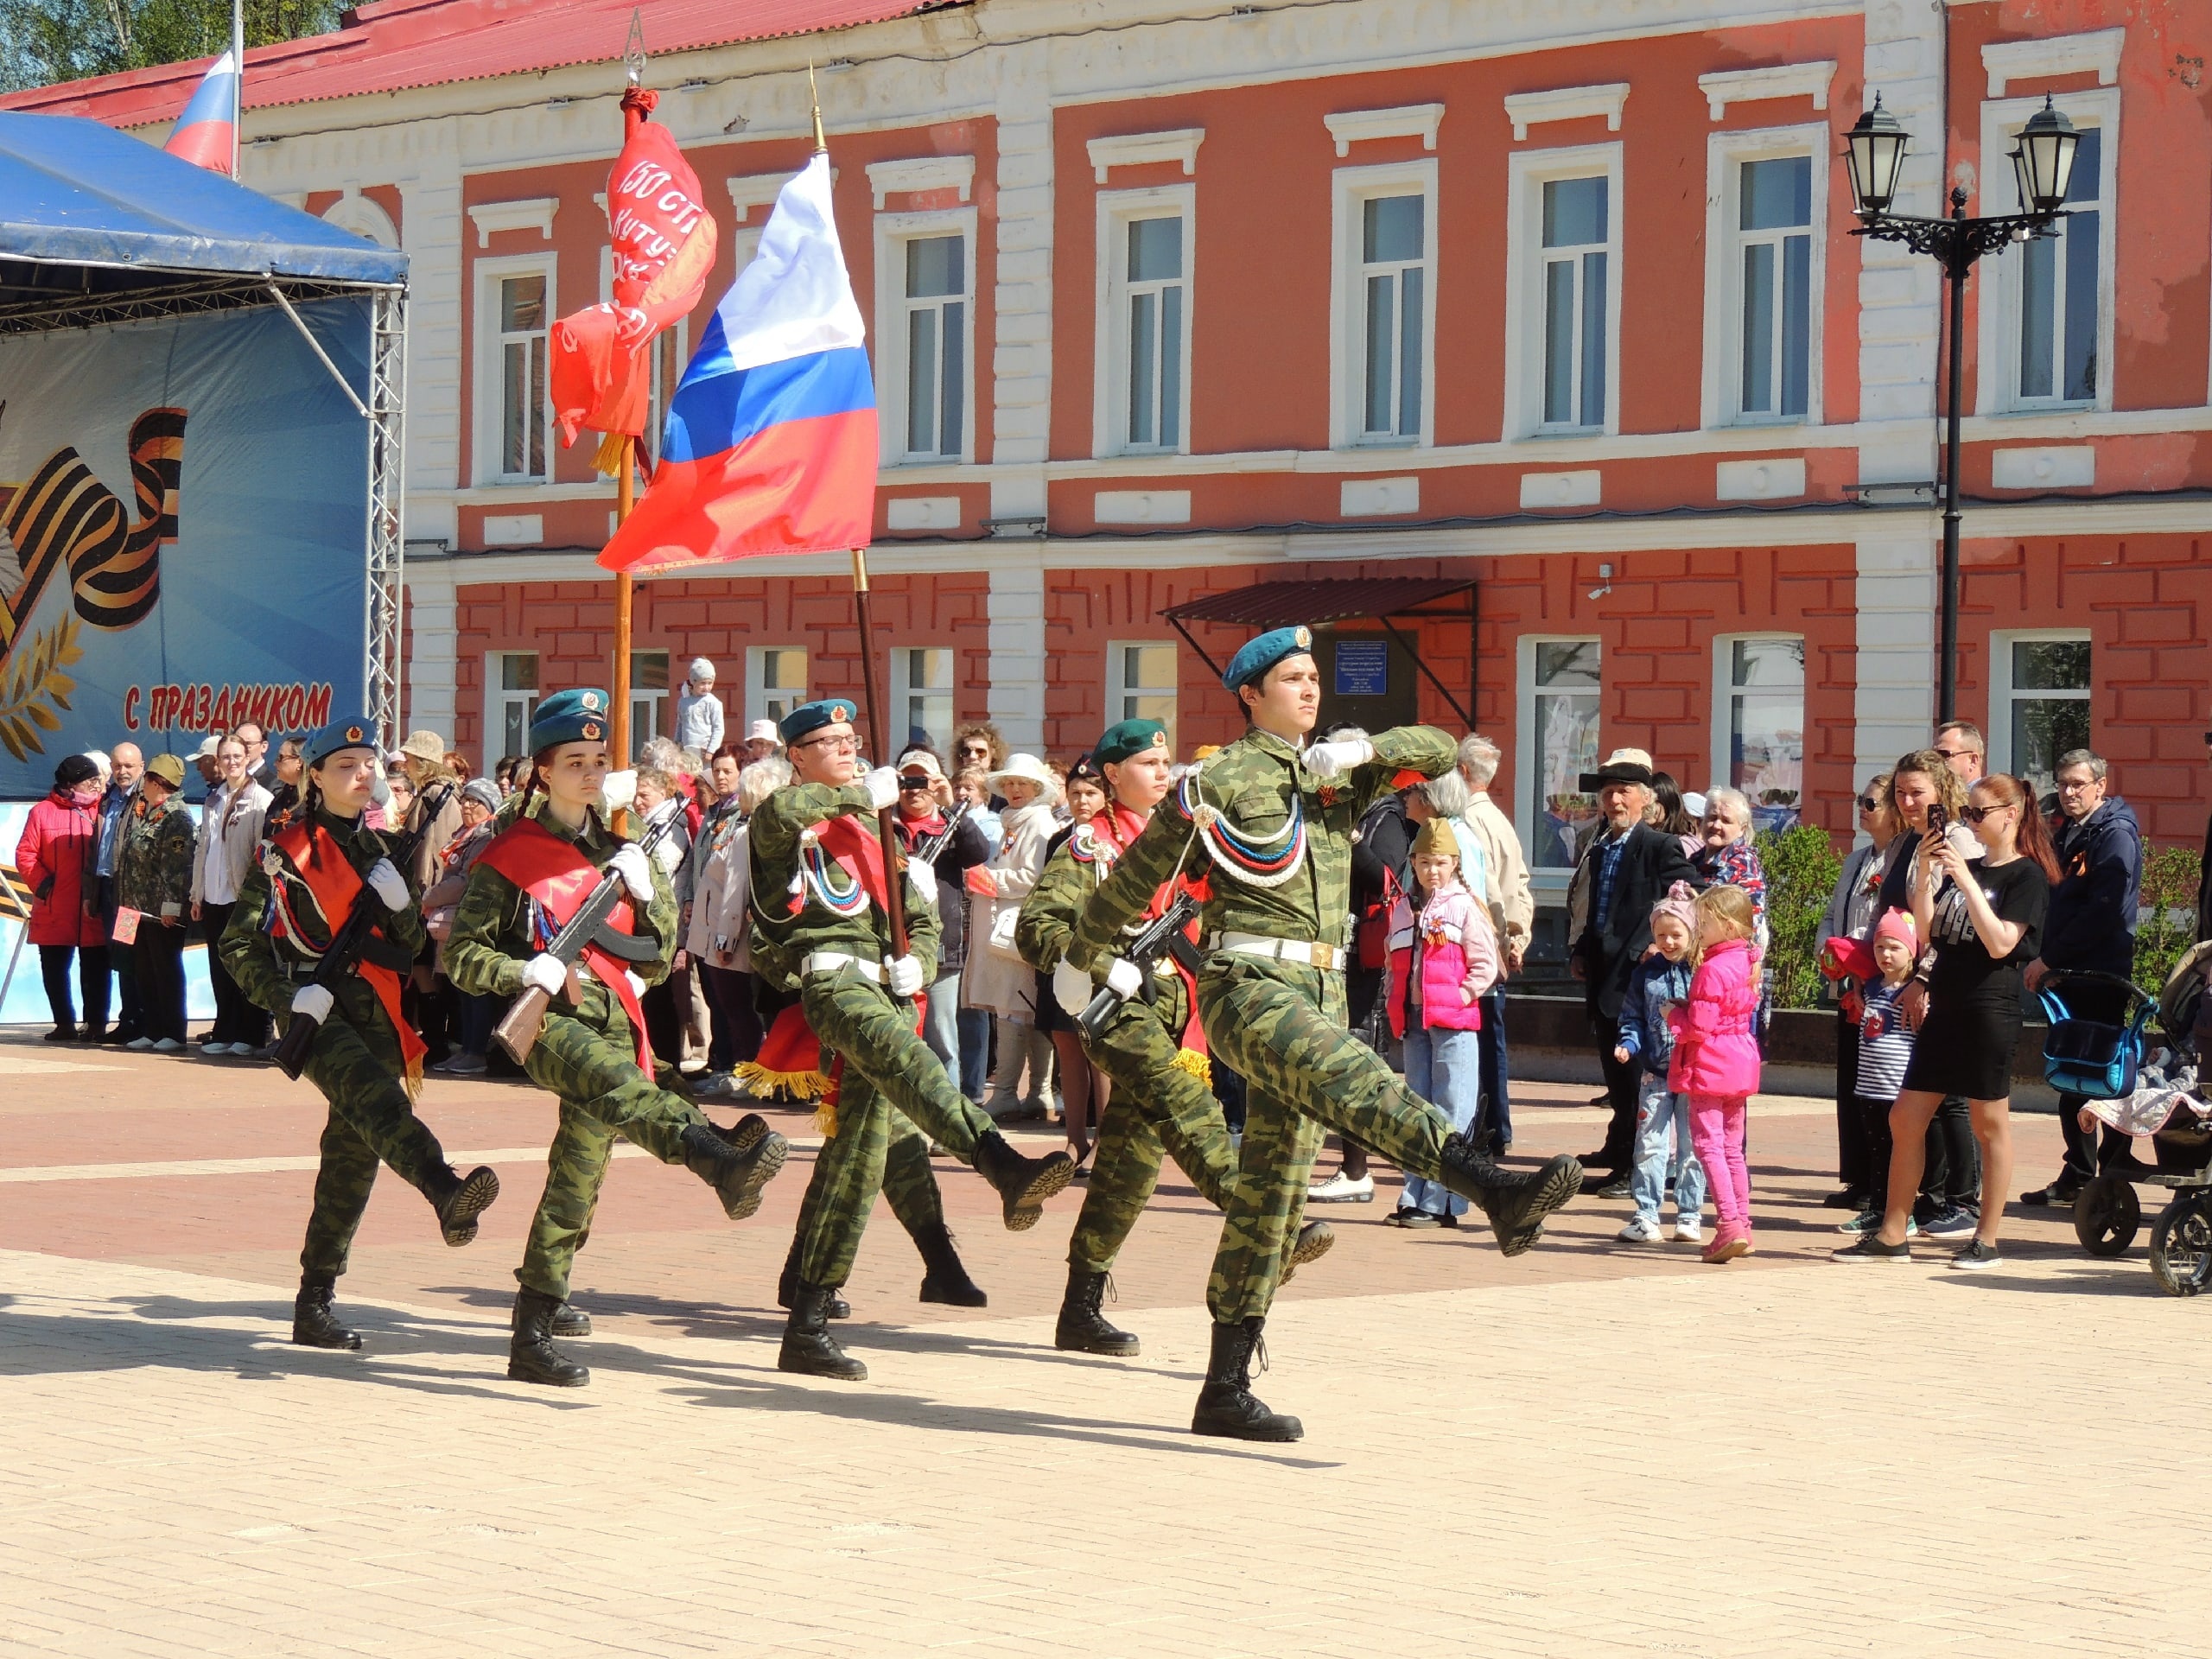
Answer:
(385, 602)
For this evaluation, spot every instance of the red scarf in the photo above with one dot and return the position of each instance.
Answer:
(914, 830)
(560, 878)
(330, 876)
(1118, 827)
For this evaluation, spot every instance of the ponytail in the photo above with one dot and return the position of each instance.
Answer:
(2031, 840)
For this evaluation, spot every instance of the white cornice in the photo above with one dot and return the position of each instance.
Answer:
(1566, 104)
(1408, 121)
(922, 172)
(1777, 80)
(2054, 54)
(524, 213)
(1136, 149)
(751, 190)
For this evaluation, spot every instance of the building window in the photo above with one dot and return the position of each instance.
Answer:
(936, 345)
(1383, 332)
(520, 305)
(1140, 684)
(1143, 400)
(510, 679)
(649, 697)
(1576, 213)
(2060, 280)
(921, 699)
(2040, 699)
(775, 681)
(1560, 692)
(1563, 290)
(1763, 714)
(1774, 227)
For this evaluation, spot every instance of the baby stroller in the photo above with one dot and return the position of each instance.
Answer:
(2164, 1100)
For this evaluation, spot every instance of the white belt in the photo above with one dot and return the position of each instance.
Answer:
(828, 962)
(1328, 957)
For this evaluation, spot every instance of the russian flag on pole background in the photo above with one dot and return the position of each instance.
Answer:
(770, 442)
(205, 132)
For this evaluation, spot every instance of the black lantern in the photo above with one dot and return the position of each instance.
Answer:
(1875, 151)
(2045, 161)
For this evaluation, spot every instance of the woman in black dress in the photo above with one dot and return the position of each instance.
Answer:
(1983, 920)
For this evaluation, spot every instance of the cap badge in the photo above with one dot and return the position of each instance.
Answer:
(590, 700)
(591, 729)
(1305, 638)
(352, 734)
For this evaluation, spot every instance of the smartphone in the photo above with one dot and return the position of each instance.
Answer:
(1939, 818)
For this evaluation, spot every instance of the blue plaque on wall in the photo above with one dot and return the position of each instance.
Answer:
(1363, 668)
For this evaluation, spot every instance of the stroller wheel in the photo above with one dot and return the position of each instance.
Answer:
(2180, 1246)
(2107, 1215)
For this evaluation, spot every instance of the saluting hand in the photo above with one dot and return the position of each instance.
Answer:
(1327, 760)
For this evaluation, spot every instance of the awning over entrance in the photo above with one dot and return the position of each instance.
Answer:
(1339, 598)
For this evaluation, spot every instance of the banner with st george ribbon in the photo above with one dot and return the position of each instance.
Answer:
(183, 534)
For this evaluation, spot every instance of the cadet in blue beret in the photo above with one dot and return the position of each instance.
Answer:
(1256, 655)
(811, 717)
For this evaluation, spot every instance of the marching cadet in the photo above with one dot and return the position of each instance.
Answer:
(1270, 830)
(1160, 1102)
(821, 927)
(523, 889)
(365, 1058)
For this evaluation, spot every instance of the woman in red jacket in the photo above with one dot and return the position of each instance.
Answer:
(55, 851)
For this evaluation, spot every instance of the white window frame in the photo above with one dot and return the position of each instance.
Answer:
(1118, 688)
(757, 691)
(1109, 417)
(490, 386)
(1350, 189)
(1724, 697)
(903, 688)
(1529, 775)
(1526, 173)
(1726, 153)
(1997, 389)
(2002, 692)
(893, 233)
(651, 713)
(497, 700)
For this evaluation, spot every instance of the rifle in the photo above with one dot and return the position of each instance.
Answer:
(351, 942)
(1164, 936)
(525, 1017)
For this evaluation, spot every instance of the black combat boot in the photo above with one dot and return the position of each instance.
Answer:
(460, 1199)
(532, 1357)
(746, 1133)
(945, 1280)
(569, 1320)
(314, 1325)
(1024, 1183)
(1315, 1240)
(1227, 1406)
(737, 1177)
(1083, 1329)
(787, 1289)
(1515, 1201)
(808, 1349)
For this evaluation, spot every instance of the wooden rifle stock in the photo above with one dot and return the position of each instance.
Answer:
(525, 1017)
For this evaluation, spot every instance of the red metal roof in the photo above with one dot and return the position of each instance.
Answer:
(393, 44)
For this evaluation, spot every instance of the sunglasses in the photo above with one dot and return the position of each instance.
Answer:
(1981, 814)
(1868, 804)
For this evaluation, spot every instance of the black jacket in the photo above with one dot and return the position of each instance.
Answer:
(966, 849)
(1652, 862)
(2092, 920)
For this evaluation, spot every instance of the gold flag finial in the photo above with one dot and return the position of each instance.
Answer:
(814, 96)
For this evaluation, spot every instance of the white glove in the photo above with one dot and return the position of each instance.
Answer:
(547, 974)
(882, 786)
(388, 885)
(1072, 987)
(904, 975)
(314, 1002)
(1327, 760)
(1124, 978)
(923, 875)
(637, 985)
(636, 870)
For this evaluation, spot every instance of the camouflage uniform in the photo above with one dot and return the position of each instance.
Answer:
(153, 864)
(355, 1060)
(1281, 1024)
(586, 1054)
(1156, 1105)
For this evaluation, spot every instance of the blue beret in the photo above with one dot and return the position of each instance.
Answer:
(813, 716)
(577, 715)
(353, 731)
(1258, 655)
(1126, 738)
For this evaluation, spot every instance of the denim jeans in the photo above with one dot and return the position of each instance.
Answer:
(1497, 1110)
(941, 1025)
(975, 1051)
(1658, 1111)
(1444, 1067)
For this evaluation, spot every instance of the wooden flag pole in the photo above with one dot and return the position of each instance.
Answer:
(878, 731)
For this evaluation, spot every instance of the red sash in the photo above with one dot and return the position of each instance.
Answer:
(330, 876)
(1118, 827)
(560, 878)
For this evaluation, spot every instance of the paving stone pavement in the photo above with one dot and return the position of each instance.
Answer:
(1591, 1450)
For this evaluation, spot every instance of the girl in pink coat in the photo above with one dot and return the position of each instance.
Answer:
(1717, 1060)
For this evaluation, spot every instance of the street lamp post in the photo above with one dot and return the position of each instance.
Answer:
(2042, 165)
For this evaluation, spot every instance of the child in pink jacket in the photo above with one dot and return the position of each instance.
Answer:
(1717, 1060)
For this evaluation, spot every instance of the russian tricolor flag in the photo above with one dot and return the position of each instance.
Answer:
(770, 440)
(206, 133)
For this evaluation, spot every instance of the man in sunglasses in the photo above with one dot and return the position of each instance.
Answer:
(1964, 750)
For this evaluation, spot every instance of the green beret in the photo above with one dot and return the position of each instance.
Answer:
(576, 715)
(1128, 738)
(813, 716)
(1256, 655)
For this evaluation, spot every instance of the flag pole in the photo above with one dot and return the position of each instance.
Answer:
(237, 80)
(626, 480)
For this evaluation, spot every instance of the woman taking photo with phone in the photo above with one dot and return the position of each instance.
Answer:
(1984, 919)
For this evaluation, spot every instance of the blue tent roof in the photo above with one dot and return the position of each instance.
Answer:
(74, 192)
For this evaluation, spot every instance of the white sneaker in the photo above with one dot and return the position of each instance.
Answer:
(1340, 1188)
(142, 1044)
(209, 1045)
(167, 1046)
(1640, 1230)
(1688, 1230)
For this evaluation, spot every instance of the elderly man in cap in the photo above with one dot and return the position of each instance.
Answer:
(365, 1058)
(1626, 868)
(821, 928)
(699, 717)
(1268, 827)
